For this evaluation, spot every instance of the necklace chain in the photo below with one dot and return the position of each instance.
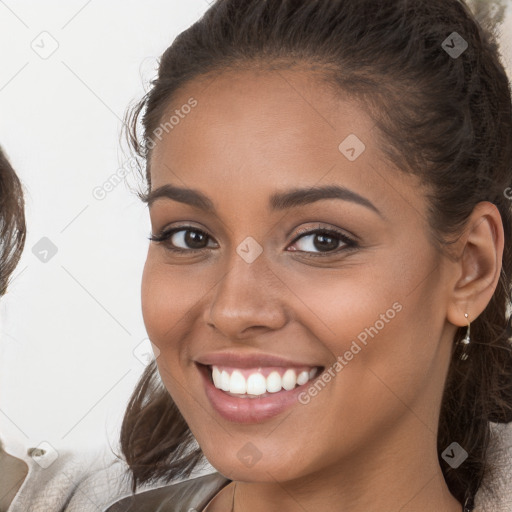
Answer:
(233, 504)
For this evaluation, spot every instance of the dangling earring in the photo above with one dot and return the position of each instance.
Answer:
(465, 341)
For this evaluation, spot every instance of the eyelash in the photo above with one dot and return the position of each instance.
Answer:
(165, 235)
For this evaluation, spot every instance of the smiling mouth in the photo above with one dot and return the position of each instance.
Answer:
(259, 382)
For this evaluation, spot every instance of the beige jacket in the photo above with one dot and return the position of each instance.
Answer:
(75, 482)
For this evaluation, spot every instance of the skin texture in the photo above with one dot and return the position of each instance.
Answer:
(369, 437)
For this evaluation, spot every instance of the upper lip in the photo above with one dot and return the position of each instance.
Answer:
(247, 360)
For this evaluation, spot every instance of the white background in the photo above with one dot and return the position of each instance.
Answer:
(70, 325)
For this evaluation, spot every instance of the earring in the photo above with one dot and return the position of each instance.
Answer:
(465, 341)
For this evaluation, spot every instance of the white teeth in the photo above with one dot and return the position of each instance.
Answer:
(256, 384)
(274, 382)
(289, 379)
(237, 383)
(216, 376)
(224, 380)
(302, 378)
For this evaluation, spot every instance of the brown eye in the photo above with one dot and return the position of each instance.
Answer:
(323, 241)
(193, 239)
(183, 239)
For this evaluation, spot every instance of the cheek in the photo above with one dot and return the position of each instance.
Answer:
(345, 304)
(152, 295)
(381, 323)
(165, 300)
(168, 295)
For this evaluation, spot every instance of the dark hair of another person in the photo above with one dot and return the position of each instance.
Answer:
(12, 221)
(447, 120)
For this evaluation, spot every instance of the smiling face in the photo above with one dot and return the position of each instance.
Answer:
(346, 280)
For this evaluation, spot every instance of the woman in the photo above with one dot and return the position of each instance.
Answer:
(330, 267)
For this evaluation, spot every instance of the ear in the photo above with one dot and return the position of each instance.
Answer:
(479, 267)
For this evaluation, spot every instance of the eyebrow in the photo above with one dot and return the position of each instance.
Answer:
(278, 201)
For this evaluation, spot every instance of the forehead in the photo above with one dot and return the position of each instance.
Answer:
(255, 130)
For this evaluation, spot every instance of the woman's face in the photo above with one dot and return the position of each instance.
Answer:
(260, 295)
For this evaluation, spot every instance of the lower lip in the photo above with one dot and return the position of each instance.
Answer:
(249, 410)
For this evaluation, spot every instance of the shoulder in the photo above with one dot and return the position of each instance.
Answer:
(66, 481)
(495, 493)
(192, 494)
(59, 481)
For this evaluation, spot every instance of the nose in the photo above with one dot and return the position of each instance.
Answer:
(247, 299)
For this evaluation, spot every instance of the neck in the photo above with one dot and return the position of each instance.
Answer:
(400, 471)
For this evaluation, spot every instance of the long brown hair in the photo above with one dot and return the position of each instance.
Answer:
(12, 221)
(445, 118)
